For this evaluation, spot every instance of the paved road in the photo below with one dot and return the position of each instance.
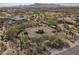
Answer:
(71, 51)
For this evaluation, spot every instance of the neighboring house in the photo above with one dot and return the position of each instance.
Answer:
(67, 20)
(17, 20)
(36, 12)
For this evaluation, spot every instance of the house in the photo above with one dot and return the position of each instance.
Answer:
(17, 19)
(67, 20)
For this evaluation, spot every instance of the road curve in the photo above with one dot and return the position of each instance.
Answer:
(71, 51)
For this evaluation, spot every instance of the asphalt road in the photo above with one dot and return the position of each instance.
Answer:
(71, 51)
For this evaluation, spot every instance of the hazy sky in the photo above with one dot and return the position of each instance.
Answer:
(13, 4)
(70, 4)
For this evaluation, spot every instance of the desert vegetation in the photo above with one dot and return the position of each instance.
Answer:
(34, 31)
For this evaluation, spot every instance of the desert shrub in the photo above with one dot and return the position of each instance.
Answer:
(40, 31)
(2, 47)
(52, 22)
(56, 41)
(13, 31)
(53, 41)
(66, 26)
(39, 50)
(23, 40)
(77, 23)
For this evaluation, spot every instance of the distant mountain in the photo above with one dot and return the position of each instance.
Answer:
(38, 5)
(45, 5)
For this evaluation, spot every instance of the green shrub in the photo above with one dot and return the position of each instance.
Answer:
(52, 22)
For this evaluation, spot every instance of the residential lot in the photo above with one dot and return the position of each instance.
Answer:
(38, 31)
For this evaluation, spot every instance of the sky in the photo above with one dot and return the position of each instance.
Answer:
(70, 4)
(5, 3)
(12, 4)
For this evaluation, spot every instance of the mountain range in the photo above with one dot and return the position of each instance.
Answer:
(38, 5)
